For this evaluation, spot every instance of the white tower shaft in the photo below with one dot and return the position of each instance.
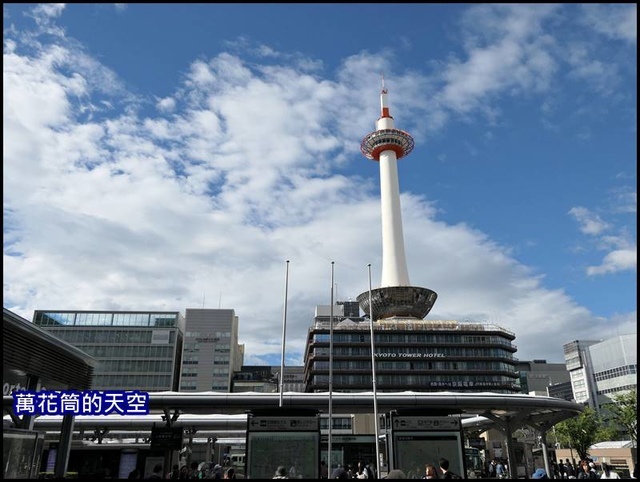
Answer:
(394, 262)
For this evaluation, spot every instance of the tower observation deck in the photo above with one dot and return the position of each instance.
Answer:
(396, 296)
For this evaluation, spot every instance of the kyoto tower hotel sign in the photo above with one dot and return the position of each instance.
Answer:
(396, 297)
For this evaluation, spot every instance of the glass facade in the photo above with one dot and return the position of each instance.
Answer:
(134, 350)
(103, 318)
(412, 354)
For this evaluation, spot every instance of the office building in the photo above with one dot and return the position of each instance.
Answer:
(211, 352)
(600, 369)
(134, 350)
(576, 359)
(538, 377)
(254, 378)
(561, 390)
(266, 379)
(293, 378)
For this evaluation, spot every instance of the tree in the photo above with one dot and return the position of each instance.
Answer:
(624, 413)
(581, 432)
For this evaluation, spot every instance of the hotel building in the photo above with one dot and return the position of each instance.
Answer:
(411, 354)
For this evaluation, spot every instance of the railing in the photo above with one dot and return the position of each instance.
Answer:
(412, 324)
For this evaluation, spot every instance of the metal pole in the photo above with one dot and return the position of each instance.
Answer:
(64, 448)
(330, 372)
(284, 330)
(373, 375)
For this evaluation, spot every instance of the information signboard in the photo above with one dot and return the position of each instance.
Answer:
(166, 438)
(417, 441)
(291, 442)
(287, 424)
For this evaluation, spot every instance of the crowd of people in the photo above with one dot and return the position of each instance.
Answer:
(497, 468)
(359, 470)
(195, 470)
(365, 470)
(584, 469)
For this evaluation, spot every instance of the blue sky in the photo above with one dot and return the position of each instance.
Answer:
(174, 156)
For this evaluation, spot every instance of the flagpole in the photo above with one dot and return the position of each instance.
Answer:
(284, 331)
(373, 375)
(330, 372)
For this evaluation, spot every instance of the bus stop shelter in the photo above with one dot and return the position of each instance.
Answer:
(33, 359)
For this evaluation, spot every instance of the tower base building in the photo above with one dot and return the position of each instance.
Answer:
(411, 354)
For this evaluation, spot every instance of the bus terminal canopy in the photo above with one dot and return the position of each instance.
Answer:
(28, 350)
(539, 412)
(506, 412)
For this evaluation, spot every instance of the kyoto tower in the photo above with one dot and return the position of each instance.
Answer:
(396, 297)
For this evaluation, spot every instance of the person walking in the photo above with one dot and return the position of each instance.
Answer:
(430, 472)
(570, 471)
(157, 472)
(446, 473)
(362, 472)
(175, 472)
(324, 471)
(492, 469)
(281, 473)
(585, 472)
(607, 473)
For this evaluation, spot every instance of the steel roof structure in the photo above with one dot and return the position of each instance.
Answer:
(540, 412)
(525, 407)
(30, 350)
(508, 412)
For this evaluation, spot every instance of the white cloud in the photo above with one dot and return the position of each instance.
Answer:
(48, 10)
(615, 261)
(600, 75)
(167, 104)
(626, 199)
(507, 54)
(616, 21)
(237, 173)
(623, 257)
(590, 223)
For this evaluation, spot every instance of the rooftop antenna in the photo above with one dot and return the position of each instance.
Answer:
(220, 300)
